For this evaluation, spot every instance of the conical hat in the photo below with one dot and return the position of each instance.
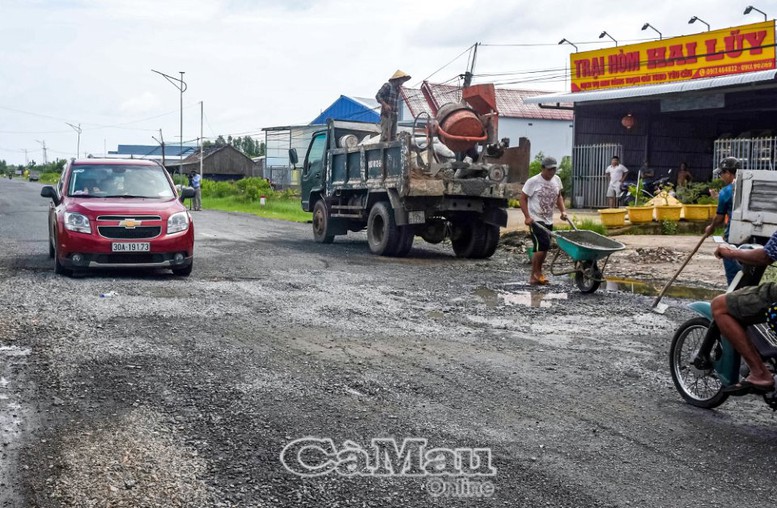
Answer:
(399, 75)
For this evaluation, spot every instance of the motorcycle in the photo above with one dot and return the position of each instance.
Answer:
(703, 362)
(650, 187)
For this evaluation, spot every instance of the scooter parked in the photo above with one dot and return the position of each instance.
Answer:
(650, 187)
(703, 362)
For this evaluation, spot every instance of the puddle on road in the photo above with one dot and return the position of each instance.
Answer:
(649, 289)
(13, 351)
(523, 298)
(497, 298)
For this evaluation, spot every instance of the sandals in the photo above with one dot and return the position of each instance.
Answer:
(745, 387)
(539, 281)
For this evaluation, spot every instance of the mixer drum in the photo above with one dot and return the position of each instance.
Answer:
(459, 127)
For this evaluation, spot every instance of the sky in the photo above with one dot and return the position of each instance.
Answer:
(265, 63)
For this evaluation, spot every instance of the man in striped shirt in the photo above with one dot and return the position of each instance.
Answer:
(388, 97)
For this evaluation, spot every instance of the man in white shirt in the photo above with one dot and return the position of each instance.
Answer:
(617, 172)
(539, 195)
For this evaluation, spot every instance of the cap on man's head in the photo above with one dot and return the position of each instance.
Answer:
(549, 162)
(400, 75)
(730, 164)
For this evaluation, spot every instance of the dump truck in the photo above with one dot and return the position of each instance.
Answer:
(754, 213)
(442, 180)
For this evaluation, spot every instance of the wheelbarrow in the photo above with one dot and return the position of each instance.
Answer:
(586, 249)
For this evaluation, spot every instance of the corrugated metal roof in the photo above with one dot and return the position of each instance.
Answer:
(651, 90)
(348, 108)
(171, 150)
(510, 102)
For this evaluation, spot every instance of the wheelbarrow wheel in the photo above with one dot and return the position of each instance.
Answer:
(588, 277)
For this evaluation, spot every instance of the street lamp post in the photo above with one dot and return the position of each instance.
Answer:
(604, 32)
(694, 19)
(77, 128)
(181, 86)
(750, 9)
(648, 25)
(564, 41)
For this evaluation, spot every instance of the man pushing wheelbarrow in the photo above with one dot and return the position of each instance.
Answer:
(539, 195)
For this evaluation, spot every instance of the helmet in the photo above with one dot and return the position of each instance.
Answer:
(730, 164)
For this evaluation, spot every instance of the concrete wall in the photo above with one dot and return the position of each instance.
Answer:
(551, 137)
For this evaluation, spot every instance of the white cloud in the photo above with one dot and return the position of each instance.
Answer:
(142, 104)
(258, 63)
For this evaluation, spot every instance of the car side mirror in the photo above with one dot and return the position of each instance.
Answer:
(293, 158)
(49, 192)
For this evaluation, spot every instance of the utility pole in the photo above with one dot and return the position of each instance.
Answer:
(26, 159)
(43, 144)
(181, 86)
(161, 141)
(78, 130)
(468, 75)
(202, 140)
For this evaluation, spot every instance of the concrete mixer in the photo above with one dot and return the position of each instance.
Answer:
(438, 181)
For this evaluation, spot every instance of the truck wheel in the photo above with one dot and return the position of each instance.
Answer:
(406, 236)
(321, 223)
(492, 241)
(382, 231)
(468, 239)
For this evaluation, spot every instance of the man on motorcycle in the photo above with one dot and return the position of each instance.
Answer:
(733, 311)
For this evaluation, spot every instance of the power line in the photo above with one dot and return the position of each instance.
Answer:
(444, 66)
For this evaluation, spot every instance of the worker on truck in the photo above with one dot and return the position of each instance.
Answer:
(388, 97)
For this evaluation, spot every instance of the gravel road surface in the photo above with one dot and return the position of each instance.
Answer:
(184, 391)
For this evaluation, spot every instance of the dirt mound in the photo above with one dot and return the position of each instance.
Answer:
(654, 255)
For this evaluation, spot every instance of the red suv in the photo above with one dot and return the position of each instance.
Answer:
(109, 213)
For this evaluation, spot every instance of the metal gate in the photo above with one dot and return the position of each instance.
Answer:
(589, 181)
(753, 153)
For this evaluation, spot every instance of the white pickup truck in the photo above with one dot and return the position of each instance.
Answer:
(755, 206)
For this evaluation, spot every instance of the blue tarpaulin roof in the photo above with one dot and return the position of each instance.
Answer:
(350, 108)
(154, 150)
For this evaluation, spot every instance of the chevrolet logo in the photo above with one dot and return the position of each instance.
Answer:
(130, 223)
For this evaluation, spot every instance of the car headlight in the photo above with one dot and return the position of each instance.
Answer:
(77, 222)
(177, 222)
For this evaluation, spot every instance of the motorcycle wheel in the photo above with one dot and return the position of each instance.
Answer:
(700, 388)
(588, 278)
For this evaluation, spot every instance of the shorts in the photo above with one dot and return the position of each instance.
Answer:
(749, 305)
(540, 238)
(613, 190)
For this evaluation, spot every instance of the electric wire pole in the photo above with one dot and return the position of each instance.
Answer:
(181, 86)
(78, 145)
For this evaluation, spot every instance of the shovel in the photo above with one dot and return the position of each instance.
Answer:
(659, 307)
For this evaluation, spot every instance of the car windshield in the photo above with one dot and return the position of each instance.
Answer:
(119, 180)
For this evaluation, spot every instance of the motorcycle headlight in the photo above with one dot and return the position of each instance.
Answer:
(77, 222)
(177, 222)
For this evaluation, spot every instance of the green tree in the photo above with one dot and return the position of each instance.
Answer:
(564, 171)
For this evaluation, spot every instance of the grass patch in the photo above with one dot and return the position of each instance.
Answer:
(587, 224)
(49, 178)
(281, 208)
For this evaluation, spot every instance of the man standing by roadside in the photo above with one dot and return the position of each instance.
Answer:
(388, 96)
(617, 172)
(197, 184)
(727, 171)
(539, 195)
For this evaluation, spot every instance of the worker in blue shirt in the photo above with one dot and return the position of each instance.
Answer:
(727, 170)
(197, 185)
